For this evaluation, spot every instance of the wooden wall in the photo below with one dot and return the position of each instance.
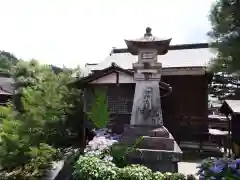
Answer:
(185, 109)
(4, 99)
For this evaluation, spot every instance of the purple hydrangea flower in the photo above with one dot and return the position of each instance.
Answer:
(101, 143)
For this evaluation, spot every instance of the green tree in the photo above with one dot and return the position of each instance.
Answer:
(225, 20)
(20, 157)
(7, 60)
(47, 101)
(29, 139)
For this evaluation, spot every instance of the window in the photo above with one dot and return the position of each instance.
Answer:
(119, 99)
(121, 105)
(112, 104)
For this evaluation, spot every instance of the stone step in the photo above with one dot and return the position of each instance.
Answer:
(166, 166)
(155, 143)
(153, 131)
(151, 155)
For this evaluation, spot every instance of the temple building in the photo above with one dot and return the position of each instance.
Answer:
(6, 88)
(184, 68)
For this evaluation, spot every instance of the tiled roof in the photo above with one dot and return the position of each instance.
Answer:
(3, 92)
(174, 58)
(6, 85)
(234, 105)
(87, 70)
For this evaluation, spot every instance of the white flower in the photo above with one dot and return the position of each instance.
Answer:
(101, 143)
(108, 158)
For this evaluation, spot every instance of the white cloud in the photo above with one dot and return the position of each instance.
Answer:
(74, 32)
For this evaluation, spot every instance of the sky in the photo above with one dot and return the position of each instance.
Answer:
(76, 32)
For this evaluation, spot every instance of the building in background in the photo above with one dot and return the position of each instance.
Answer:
(185, 110)
(6, 88)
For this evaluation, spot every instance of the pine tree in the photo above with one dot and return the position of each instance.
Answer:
(225, 33)
(29, 139)
(7, 60)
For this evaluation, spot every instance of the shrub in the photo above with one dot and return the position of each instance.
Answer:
(191, 177)
(170, 176)
(37, 159)
(20, 157)
(158, 176)
(218, 168)
(120, 152)
(135, 172)
(41, 159)
(99, 113)
(88, 167)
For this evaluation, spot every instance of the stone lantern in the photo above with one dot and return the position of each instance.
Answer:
(158, 150)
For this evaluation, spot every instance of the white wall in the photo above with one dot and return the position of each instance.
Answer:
(126, 78)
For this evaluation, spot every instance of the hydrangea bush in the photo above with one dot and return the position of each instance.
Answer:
(89, 167)
(101, 144)
(103, 162)
(219, 168)
(134, 172)
(104, 157)
(105, 146)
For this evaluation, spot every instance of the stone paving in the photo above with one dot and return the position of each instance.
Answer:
(188, 167)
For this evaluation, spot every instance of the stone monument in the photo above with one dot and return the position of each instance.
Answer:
(158, 150)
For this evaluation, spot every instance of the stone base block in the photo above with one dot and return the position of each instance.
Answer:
(158, 166)
(157, 160)
(158, 150)
(151, 142)
(145, 130)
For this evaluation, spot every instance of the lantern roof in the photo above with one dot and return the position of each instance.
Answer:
(148, 41)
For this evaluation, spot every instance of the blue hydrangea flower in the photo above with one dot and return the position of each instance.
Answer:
(216, 169)
(213, 168)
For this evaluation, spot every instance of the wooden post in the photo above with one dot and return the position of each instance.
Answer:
(229, 137)
(118, 96)
(84, 120)
(225, 144)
